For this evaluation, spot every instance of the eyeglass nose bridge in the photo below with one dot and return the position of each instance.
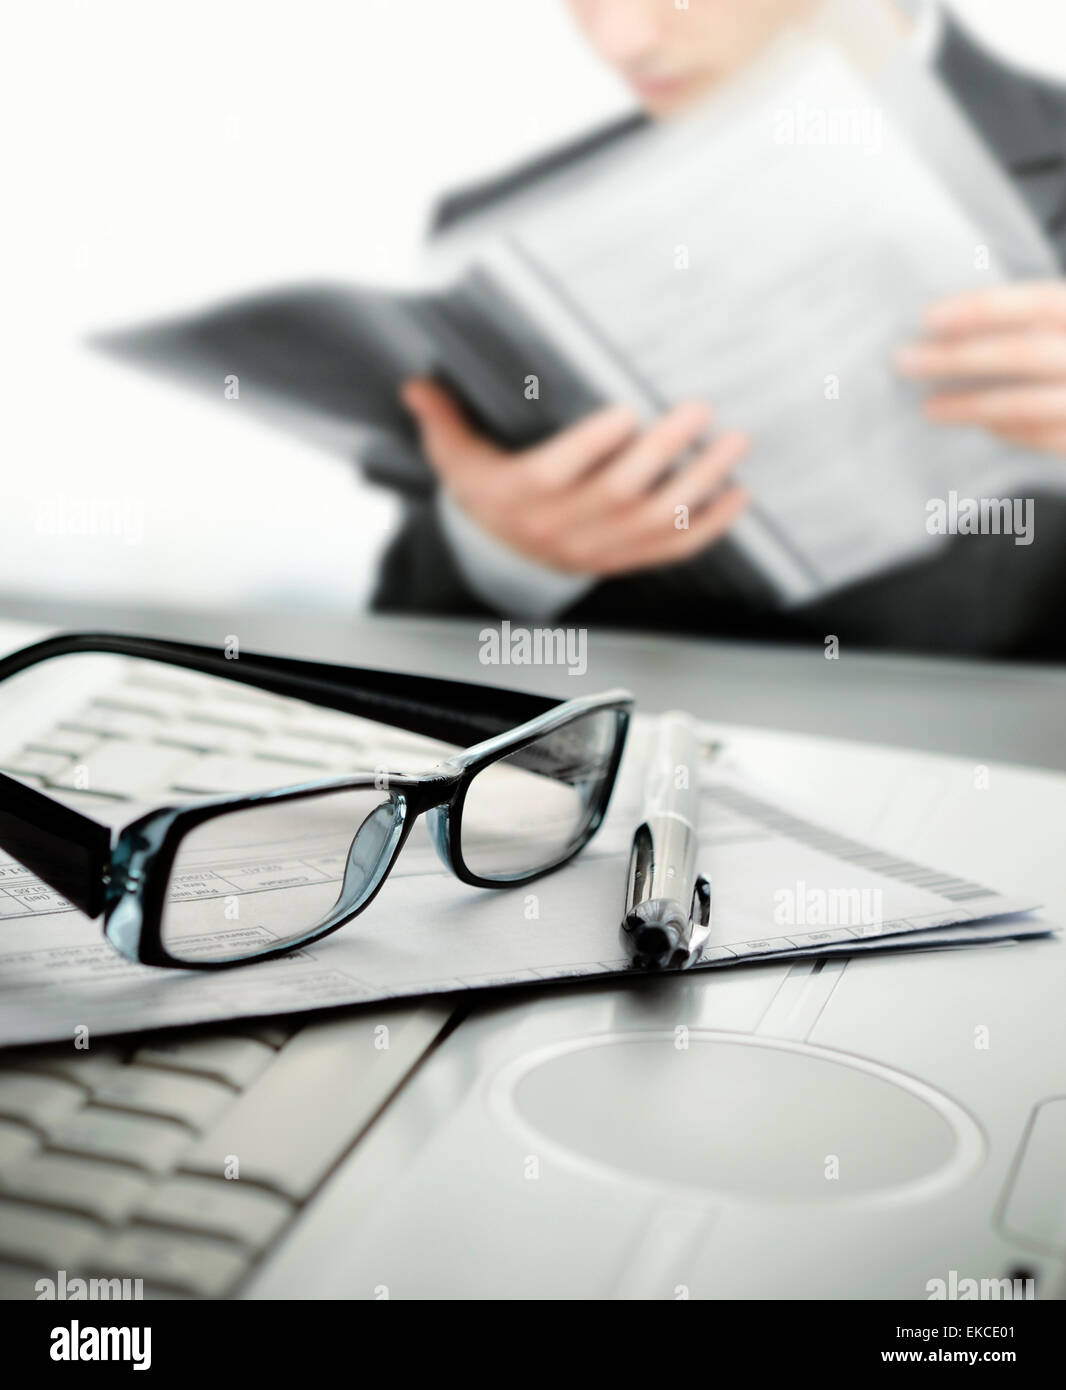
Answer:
(378, 839)
(370, 855)
(371, 852)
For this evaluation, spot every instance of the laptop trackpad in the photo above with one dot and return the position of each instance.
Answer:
(738, 1117)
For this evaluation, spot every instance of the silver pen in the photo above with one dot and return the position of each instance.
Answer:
(667, 911)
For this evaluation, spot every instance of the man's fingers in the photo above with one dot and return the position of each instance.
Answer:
(449, 442)
(600, 496)
(1037, 302)
(671, 506)
(670, 547)
(660, 511)
(564, 457)
(1049, 438)
(630, 474)
(1007, 405)
(712, 522)
(993, 355)
(633, 471)
(692, 485)
(670, 524)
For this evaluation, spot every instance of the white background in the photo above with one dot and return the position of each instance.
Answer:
(164, 155)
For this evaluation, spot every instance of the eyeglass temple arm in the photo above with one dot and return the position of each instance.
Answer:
(63, 848)
(458, 712)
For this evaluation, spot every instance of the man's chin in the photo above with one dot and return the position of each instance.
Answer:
(667, 98)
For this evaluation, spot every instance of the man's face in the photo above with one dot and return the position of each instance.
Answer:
(671, 53)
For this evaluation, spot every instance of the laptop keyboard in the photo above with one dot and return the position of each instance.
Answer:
(184, 735)
(179, 1158)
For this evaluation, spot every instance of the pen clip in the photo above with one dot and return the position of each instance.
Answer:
(700, 919)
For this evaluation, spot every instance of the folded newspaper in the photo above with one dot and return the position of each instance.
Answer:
(767, 253)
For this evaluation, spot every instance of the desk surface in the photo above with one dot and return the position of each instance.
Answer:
(990, 711)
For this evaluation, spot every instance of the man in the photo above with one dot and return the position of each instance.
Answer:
(573, 530)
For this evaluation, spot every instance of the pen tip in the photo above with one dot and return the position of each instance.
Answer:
(654, 943)
(656, 933)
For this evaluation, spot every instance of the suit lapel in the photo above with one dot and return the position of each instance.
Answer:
(1022, 122)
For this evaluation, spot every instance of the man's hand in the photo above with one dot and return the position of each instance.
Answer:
(1009, 344)
(595, 498)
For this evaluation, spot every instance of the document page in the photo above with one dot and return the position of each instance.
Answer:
(783, 884)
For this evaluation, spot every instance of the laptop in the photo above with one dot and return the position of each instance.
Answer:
(881, 1127)
(878, 1127)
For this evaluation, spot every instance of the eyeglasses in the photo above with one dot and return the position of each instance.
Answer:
(523, 799)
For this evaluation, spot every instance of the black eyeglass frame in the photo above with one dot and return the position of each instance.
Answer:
(127, 881)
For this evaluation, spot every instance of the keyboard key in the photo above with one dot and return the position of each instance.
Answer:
(44, 1239)
(159, 704)
(124, 768)
(328, 726)
(262, 701)
(103, 1191)
(86, 1067)
(189, 684)
(234, 1061)
(16, 1143)
(74, 742)
(119, 723)
(251, 719)
(38, 1101)
(33, 763)
(204, 738)
(190, 1264)
(367, 738)
(140, 1142)
(295, 1121)
(190, 1100)
(306, 752)
(218, 775)
(215, 1206)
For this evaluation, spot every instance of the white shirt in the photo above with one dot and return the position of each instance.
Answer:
(927, 19)
(510, 583)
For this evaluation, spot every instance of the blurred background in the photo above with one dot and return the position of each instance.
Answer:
(163, 156)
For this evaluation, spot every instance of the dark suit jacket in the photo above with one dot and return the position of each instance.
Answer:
(980, 594)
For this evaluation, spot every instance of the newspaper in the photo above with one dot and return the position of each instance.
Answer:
(768, 254)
